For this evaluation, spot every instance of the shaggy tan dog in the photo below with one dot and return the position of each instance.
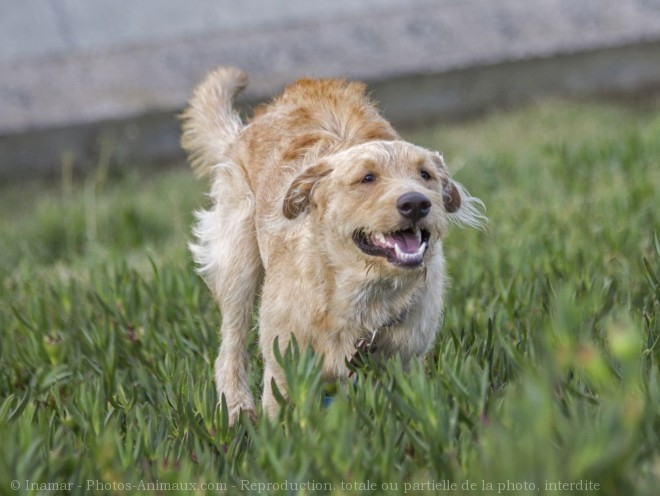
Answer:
(321, 207)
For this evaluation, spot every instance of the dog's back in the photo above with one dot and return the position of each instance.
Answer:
(310, 119)
(316, 117)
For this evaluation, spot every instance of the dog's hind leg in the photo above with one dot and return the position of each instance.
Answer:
(228, 258)
(226, 250)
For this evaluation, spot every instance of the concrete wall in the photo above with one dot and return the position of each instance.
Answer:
(74, 73)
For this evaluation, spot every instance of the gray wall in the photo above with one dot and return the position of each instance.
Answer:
(77, 73)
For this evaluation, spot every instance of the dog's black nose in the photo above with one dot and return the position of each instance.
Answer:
(413, 206)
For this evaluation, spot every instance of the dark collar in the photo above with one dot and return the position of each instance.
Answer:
(369, 345)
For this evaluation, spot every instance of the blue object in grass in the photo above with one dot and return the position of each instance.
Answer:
(327, 400)
(330, 391)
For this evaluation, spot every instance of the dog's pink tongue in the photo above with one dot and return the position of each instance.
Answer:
(405, 240)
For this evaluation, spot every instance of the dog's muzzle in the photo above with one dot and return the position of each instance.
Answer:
(404, 248)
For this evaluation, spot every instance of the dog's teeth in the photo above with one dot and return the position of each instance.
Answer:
(418, 234)
(407, 257)
(380, 239)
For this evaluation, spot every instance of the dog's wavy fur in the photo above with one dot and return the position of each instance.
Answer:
(288, 200)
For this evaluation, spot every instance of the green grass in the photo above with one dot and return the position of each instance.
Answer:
(546, 368)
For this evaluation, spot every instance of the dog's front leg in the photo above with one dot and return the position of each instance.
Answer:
(274, 330)
(273, 374)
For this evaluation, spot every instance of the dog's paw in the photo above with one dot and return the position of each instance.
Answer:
(237, 403)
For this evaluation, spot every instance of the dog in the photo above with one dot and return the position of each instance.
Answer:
(321, 209)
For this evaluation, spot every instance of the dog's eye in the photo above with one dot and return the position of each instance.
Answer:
(425, 175)
(369, 178)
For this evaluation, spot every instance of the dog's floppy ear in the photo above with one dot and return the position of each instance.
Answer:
(451, 197)
(298, 197)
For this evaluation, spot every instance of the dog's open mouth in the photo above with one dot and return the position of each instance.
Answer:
(405, 248)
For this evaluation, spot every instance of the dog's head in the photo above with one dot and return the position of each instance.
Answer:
(385, 203)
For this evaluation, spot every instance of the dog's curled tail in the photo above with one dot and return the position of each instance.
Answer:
(209, 122)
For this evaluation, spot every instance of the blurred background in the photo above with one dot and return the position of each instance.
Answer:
(77, 76)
